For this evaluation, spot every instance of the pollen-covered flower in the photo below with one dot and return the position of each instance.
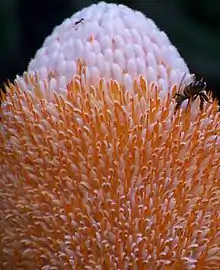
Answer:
(115, 42)
(101, 178)
(94, 176)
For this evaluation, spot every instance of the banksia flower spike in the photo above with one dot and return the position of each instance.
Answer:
(95, 176)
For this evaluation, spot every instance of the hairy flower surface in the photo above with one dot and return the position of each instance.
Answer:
(102, 174)
(115, 42)
(101, 178)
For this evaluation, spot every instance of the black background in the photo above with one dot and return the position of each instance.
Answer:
(192, 26)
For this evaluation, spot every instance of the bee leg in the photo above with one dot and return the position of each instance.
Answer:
(174, 96)
(177, 107)
(204, 96)
(202, 100)
(179, 100)
(189, 102)
(179, 95)
(195, 97)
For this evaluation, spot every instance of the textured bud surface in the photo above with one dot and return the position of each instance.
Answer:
(115, 42)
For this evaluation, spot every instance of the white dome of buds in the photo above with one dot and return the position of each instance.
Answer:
(115, 42)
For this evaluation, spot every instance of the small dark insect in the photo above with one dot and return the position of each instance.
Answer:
(79, 21)
(191, 92)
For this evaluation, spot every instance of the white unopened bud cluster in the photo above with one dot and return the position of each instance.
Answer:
(115, 42)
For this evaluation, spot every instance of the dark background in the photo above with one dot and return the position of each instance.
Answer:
(192, 26)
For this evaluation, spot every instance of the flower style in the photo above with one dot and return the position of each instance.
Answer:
(102, 174)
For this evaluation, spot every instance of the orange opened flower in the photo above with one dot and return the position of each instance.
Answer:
(96, 170)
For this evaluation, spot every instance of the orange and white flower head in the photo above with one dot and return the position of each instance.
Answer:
(96, 170)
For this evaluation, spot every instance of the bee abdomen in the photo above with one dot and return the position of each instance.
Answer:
(187, 92)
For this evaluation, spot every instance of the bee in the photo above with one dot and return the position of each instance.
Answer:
(191, 91)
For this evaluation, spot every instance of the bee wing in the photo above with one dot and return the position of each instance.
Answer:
(181, 81)
(192, 78)
(188, 78)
